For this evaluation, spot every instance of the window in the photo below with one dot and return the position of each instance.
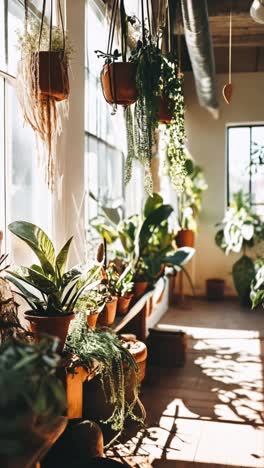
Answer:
(245, 163)
(23, 192)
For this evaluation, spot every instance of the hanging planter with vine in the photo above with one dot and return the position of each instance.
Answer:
(160, 100)
(118, 79)
(43, 82)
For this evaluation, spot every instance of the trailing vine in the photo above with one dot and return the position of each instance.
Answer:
(114, 363)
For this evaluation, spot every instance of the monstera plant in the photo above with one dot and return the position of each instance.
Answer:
(240, 229)
(50, 291)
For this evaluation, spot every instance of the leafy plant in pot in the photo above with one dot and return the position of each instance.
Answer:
(118, 79)
(32, 399)
(240, 229)
(43, 82)
(190, 203)
(114, 363)
(91, 303)
(121, 285)
(50, 291)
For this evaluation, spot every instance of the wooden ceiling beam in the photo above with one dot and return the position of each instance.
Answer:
(245, 40)
(222, 7)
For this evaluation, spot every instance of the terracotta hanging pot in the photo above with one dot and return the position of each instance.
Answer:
(140, 288)
(92, 320)
(119, 83)
(164, 113)
(108, 314)
(56, 325)
(139, 351)
(123, 304)
(185, 238)
(51, 74)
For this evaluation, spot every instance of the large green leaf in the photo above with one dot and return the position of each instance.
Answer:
(38, 241)
(62, 257)
(243, 273)
(180, 257)
(32, 300)
(34, 279)
(152, 203)
(105, 229)
(155, 218)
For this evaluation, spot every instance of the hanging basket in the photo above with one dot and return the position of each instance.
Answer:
(164, 113)
(185, 238)
(119, 83)
(51, 74)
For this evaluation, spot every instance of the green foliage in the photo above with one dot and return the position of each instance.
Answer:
(190, 200)
(54, 290)
(31, 394)
(104, 348)
(105, 228)
(243, 274)
(257, 284)
(241, 227)
(93, 301)
(120, 284)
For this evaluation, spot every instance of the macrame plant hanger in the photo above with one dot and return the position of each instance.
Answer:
(228, 88)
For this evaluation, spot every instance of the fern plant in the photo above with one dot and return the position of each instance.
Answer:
(112, 359)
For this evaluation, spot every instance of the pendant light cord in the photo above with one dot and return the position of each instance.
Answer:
(230, 43)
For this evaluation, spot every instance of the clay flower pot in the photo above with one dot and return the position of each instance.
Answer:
(107, 316)
(123, 304)
(119, 83)
(140, 288)
(51, 74)
(56, 325)
(164, 112)
(92, 320)
(139, 351)
(185, 238)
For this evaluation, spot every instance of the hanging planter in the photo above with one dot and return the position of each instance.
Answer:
(119, 83)
(165, 113)
(118, 79)
(43, 83)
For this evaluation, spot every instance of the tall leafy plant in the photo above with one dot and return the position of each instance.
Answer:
(47, 287)
(240, 229)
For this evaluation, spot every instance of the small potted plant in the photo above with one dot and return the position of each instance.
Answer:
(91, 303)
(121, 285)
(33, 400)
(240, 230)
(118, 78)
(190, 203)
(50, 291)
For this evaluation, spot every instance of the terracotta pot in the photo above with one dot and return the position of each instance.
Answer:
(107, 316)
(140, 288)
(119, 83)
(139, 351)
(92, 320)
(123, 304)
(185, 238)
(52, 71)
(56, 325)
(164, 113)
(215, 288)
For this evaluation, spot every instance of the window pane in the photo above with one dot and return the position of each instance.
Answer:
(238, 159)
(2, 164)
(28, 193)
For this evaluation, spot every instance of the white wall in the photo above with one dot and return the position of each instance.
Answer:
(206, 142)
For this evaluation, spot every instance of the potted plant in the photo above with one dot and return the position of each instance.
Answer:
(114, 362)
(32, 400)
(240, 229)
(50, 291)
(121, 285)
(257, 284)
(92, 303)
(42, 82)
(190, 203)
(118, 79)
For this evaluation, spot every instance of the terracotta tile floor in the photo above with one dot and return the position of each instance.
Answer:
(211, 412)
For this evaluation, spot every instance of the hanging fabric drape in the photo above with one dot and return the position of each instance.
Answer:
(199, 44)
